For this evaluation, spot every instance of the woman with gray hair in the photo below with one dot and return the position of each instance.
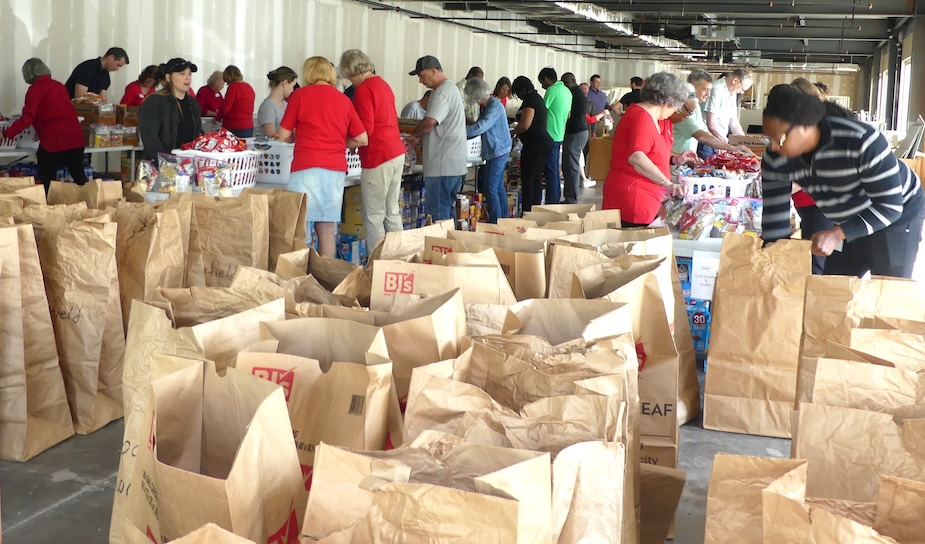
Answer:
(48, 108)
(639, 176)
(210, 96)
(496, 144)
(383, 159)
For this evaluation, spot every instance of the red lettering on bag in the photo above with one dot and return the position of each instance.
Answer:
(397, 282)
(150, 535)
(641, 355)
(402, 404)
(307, 472)
(277, 376)
(442, 249)
(288, 533)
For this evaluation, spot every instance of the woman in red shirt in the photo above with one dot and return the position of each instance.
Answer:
(48, 108)
(639, 176)
(237, 111)
(325, 124)
(210, 95)
(383, 160)
(137, 91)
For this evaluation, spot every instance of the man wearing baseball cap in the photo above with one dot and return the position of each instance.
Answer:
(170, 117)
(443, 130)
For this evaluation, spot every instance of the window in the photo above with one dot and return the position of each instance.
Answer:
(905, 86)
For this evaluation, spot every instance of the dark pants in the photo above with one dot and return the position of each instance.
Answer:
(532, 161)
(572, 147)
(811, 222)
(49, 162)
(705, 151)
(888, 252)
(551, 173)
(242, 132)
(628, 225)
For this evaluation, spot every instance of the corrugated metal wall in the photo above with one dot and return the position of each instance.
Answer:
(259, 35)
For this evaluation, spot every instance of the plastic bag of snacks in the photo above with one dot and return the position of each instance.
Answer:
(214, 177)
(217, 142)
(175, 174)
(147, 174)
(697, 220)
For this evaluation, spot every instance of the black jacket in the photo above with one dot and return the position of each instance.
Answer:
(158, 120)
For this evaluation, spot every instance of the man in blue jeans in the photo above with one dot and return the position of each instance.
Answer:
(444, 132)
(558, 99)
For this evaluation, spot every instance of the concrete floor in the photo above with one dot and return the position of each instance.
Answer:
(67, 491)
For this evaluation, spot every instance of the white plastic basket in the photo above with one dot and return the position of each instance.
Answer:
(7, 143)
(274, 162)
(354, 169)
(243, 164)
(720, 187)
(474, 149)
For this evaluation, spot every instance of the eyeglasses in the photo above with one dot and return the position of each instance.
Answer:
(783, 137)
(688, 112)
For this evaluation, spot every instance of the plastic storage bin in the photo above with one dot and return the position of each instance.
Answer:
(274, 163)
(7, 143)
(720, 187)
(474, 149)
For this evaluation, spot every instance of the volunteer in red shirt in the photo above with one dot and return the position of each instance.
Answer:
(48, 108)
(325, 123)
(137, 91)
(383, 159)
(210, 95)
(237, 111)
(639, 177)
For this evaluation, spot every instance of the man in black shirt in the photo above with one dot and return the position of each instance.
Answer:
(92, 76)
(632, 97)
(576, 136)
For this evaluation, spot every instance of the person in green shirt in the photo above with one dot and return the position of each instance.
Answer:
(558, 100)
(690, 126)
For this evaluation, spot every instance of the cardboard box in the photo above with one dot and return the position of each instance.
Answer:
(353, 213)
(353, 229)
(127, 115)
(407, 126)
(353, 195)
(599, 154)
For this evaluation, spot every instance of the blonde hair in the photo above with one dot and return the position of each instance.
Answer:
(317, 69)
(806, 86)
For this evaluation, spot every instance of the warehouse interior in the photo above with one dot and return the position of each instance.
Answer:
(863, 50)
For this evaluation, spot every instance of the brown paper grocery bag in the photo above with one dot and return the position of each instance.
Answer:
(905, 350)
(503, 494)
(418, 332)
(194, 273)
(523, 260)
(207, 534)
(901, 509)
(99, 194)
(63, 193)
(660, 494)
(304, 289)
(81, 281)
(204, 463)
(855, 384)
(286, 221)
(755, 350)
(519, 229)
(34, 414)
(12, 184)
(836, 304)
(149, 252)
(329, 272)
(405, 244)
(566, 320)
(827, 436)
(585, 214)
(478, 284)
(434, 247)
(223, 254)
(734, 497)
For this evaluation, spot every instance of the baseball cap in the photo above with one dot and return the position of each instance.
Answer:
(176, 65)
(425, 63)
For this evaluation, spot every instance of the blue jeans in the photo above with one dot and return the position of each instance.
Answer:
(242, 132)
(440, 201)
(553, 185)
(493, 188)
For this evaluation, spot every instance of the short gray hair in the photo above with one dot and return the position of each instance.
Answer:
(699, 75)
(664, 89)
(216, 76)
(34, 68)
(742, 74)
(354, 63)
(477, 89)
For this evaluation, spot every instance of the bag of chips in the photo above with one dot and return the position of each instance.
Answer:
(175, 174)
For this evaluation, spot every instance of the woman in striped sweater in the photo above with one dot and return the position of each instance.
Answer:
(847, 167)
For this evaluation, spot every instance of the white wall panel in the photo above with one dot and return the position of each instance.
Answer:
(259, 35)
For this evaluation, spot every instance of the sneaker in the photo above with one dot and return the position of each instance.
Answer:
(588, 183)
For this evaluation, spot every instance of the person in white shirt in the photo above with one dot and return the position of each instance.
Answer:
(722, 109)
(416, 108)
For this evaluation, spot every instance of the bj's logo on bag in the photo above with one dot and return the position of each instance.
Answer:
(397, 282)
(441, 249)
(288, 533)
(277, 376)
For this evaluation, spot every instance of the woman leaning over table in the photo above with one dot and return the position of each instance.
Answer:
(137, 91)
(848, 169)
(384, 158)
(639, 177)
(237, 111)
(325, 124)
(537, 143)
(273, 107)
(496, 144)
(48, 108)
